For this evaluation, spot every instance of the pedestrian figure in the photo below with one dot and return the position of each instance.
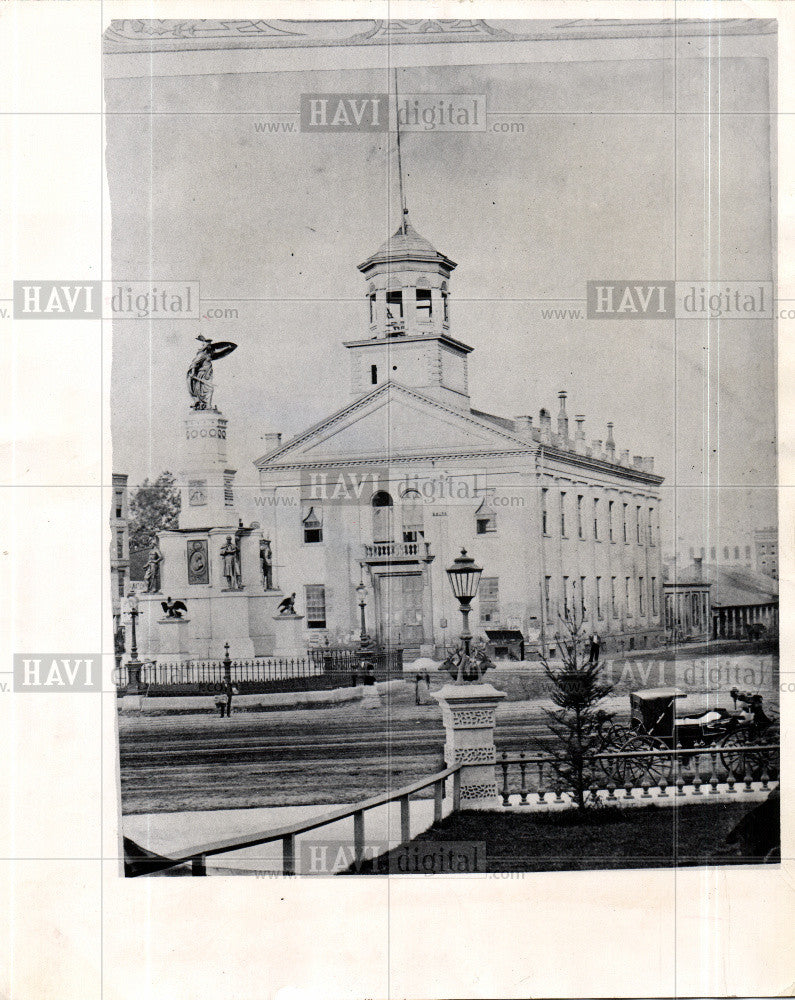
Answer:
(596, 642)
(417, 680)
(287, 606)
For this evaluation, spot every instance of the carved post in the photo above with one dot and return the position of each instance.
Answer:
(468, 713)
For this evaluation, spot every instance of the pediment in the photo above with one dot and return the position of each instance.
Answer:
(396, 421)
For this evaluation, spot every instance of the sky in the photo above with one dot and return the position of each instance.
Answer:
(602, 182)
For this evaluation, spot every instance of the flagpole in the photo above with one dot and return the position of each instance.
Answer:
(403, 209)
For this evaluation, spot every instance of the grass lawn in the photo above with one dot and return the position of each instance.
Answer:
(647, 837)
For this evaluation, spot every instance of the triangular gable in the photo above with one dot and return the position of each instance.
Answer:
(393, 420)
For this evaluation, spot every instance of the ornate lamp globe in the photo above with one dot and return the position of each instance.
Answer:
(361, 593)
(464, 576)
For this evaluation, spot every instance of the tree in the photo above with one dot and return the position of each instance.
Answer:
(153, 507)
(576, 723)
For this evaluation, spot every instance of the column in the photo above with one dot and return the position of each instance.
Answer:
(468, 714)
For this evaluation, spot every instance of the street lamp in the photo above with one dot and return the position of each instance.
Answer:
(464, 578)
(361, 593)
(134, 664)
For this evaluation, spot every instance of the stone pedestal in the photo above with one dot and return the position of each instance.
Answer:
(175, 637)
(289, 637)
(468, 713)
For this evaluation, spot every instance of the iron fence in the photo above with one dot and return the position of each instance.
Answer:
(615, 777)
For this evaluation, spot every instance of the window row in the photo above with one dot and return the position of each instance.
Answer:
(599, 520)
(606, 597)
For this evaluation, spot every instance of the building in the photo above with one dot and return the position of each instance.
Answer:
(739, 597)
(738, 551)
(766, 552)
(119, 544)
(389, 489)
(688, 605)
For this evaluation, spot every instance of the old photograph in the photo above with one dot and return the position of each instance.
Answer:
(444, 522)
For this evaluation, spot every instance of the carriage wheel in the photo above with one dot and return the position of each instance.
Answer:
(736, 760)
(634, 769)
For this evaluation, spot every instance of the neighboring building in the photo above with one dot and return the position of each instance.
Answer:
(766, 551)
(739, 597)
(688, 607)
(119, 545)
(397, 482)
(737, 551)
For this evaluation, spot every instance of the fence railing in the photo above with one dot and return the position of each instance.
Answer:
(197, 856)
(616, 776)
(385, 660)
(214, 671)
(394, 550)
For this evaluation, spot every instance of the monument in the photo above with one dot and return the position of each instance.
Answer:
(219, 570)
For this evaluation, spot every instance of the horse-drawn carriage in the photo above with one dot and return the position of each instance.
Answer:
(655, 725)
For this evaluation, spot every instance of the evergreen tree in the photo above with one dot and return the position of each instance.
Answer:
(575, 724)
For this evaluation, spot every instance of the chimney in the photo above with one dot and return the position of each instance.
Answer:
(596, 448)
(637, 461)
(579, 434)
(545, 420)
(624, 460)
(523, 426)
(648, 464)
(272, 440)
(698, 574)
(610, 445)
(563, 420)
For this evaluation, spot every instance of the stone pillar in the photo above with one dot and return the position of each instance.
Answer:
(290, 643)
(468, 712)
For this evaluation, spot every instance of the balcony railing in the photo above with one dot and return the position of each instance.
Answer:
(394, 550)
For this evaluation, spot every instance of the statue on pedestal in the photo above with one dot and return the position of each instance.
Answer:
(231, 563)
(200, 371)
(152, 571)
(266, 563)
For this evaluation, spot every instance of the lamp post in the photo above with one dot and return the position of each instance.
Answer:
(361, 593)
(134, 664)
(464, 577)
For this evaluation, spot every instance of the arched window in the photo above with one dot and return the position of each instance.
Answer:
(383, 527)
(413, 516)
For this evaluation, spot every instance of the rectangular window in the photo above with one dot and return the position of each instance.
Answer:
(374, 374)
(565, 596)
(229, 496)
(394, 312)
(486, 522)
(582, 596)
(651, 529)
(315, 605)
(640, 596)
(563, 514)
(737, 552)
(627, 597)
(119, 544)
(372, 307)
(599, 609)
(638, 528)
(624, 521)
(424, 305)
(613, 604)
(312, 522)
(610, 520)
(579, 517)
(489, 599)
(547, 585)
(712, 553)
(119, 501)
(725, 551)
(654, 596)
(444, 305)
(747, 551)
(121, 582)
(544, 514)
(596, 520)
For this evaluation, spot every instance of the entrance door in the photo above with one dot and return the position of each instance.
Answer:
(401, 609)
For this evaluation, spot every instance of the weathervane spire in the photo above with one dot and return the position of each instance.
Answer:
(403, 210)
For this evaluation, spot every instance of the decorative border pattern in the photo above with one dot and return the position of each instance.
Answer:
(476, 755)
(484, 790)
(472, 718)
